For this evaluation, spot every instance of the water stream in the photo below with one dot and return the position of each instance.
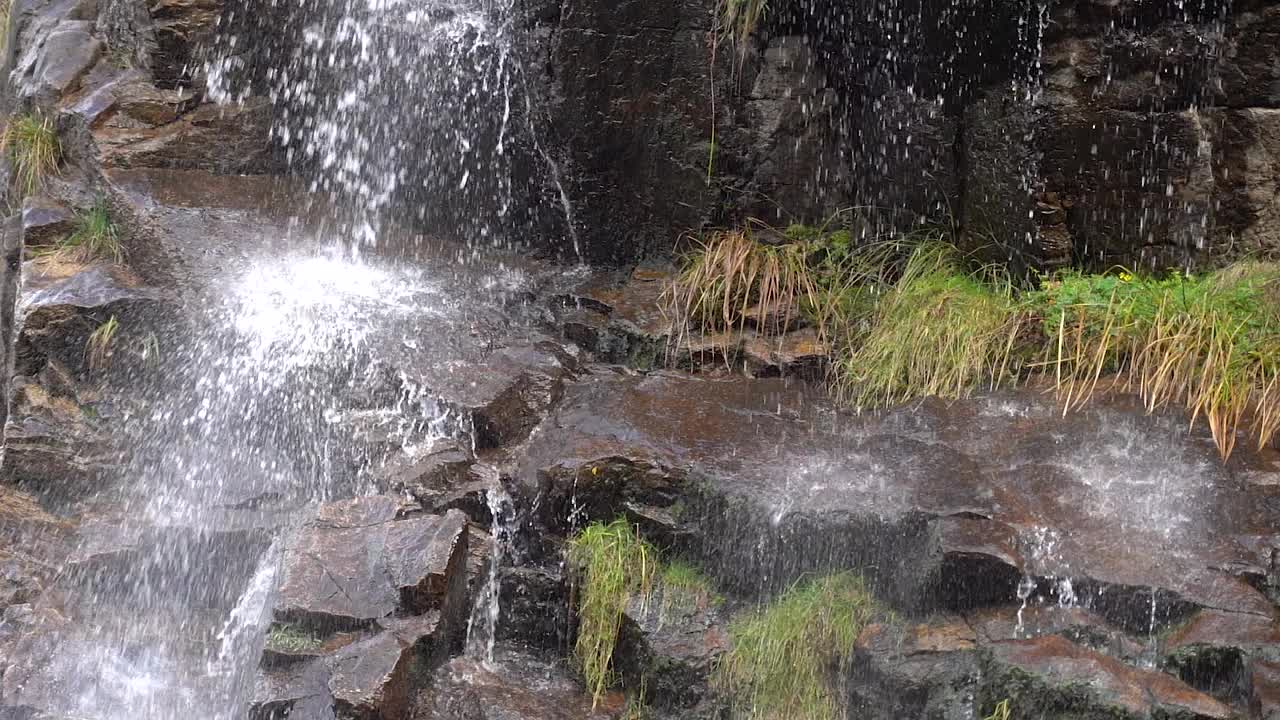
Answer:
(252, 425)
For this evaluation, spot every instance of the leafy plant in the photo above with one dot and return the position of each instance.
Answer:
(33, 148)
(937, 330)
(95, 236)
(782, 656)
(101, 340)
(611, 564)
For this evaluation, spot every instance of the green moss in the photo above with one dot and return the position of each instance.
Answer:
(292, 639)
(33, 149)
(783, 656)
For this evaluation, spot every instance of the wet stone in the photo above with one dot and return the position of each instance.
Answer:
(1077, 624)
(62, 59)
(620, 319)
(516, 687)
(944, 504)
(355, 563)
(1062, 679)
(925, 670)
(45, 221)
(669, 644)
(1264, 690)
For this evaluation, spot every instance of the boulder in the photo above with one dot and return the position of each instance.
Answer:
(1213, 650)
(516, 686)
(54, 65)
(230, 139)
(669, 644)
(45, 221)
(355, 563)
(1264, 690)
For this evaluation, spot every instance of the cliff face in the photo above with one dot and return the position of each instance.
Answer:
(1072, 132)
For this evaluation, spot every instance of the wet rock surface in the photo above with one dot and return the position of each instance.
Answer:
(933, 477)
(1086, 681)
(1099, 564)
(621, 318)
(514, 687)
(355, 563)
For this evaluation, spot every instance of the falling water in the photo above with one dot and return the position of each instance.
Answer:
(482, 627)
(247, 425)
(405, 114)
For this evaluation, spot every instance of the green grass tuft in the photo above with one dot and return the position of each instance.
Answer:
(96, 237)
(681, 576)
(740, 18)
(937, 331)
(611, 563)
(286, 638)
(33, 149)
(1210, 343)
(1000, 712)
(100, 343)
(908, 317)
(784, 656)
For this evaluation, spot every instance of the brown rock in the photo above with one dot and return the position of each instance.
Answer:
(1107, 684)
(1264, 690)
(355, 564)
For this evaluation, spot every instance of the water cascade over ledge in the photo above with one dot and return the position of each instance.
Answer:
(676, 359)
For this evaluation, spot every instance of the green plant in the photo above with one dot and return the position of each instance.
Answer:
(33, 148)
(684, 578)
(1210, 343)
(730, 277)
(783, 656)
(98, 346)
(1000, 712)
(287, 638)
(636, 708)
(740, 18)
(95, 236)
(611, 563)
(937, 330)
(6, 7)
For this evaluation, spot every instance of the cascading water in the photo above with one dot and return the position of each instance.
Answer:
(245, 427)
(410, 114)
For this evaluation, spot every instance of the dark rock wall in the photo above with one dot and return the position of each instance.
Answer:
(629, 108)
(1073, 132)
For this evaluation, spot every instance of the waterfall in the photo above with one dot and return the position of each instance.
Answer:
(247, 427)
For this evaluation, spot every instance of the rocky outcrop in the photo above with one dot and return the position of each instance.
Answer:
(367, 603)
(817, 491)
